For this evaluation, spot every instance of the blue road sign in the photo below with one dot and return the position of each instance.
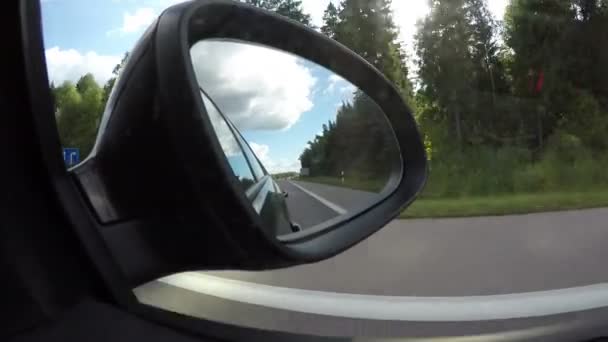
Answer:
(71, 156)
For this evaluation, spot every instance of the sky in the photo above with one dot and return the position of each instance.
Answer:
(278, 101)
(92, 36)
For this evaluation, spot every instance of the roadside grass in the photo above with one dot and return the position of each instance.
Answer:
(470, 206)
(505, 204)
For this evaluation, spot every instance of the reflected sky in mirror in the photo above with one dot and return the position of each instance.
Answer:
(327, 145)
(278, 101)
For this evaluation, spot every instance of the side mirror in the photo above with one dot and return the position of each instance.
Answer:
(178, 178)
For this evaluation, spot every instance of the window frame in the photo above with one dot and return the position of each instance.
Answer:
(237, 137)
(251, 154)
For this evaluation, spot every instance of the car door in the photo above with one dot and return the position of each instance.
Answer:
(66, 279)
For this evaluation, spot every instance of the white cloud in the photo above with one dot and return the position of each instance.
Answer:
(224, 134)
(258, 88)
(70, 65)
(261, 151)
(340, 88)
(272, 165)
(136, 22)
(347, 91)
(333, 80)
(336, 78)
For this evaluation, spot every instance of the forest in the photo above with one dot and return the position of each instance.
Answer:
(513, 105)
(506, 105)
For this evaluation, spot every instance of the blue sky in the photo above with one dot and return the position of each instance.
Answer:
(285, 146)
(92, 35)
(278, 101)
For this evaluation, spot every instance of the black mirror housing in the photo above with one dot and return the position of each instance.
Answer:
(157, 180)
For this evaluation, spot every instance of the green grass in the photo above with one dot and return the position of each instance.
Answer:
(351, 183)
(505, 205)
(470, 206)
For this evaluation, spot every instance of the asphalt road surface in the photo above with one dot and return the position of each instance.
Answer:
(304, 209)
(461, 257)
(427, 257)
(310, 204)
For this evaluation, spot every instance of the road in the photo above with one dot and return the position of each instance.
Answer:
(427, 257)
(310, 204)
(460, 257)
(304, 209)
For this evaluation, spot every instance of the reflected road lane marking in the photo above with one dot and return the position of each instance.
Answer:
(338, 209)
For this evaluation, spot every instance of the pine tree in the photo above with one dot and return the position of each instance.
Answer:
(461, 71)
(330, 20)
(367, 28)
(289, 8)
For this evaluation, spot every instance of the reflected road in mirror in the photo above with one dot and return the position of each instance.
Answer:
(311, 203)
(325, 145)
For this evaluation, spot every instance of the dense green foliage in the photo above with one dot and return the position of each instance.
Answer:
(463, 84)
(78, 112)
(521, 111)
(358, 144)
(78, 109)
(288, 8)
(506, 105)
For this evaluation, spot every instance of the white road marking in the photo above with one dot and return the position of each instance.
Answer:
(397, 308)
(338, 209)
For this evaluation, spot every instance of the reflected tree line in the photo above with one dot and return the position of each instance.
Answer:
(358, 145)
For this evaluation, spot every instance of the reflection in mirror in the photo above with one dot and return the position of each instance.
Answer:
(229, 145)
(327, 146)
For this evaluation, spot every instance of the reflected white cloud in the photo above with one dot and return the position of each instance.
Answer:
(273, 166)
(223, 132)
(257, 88)
(333, 80)
(340, 88)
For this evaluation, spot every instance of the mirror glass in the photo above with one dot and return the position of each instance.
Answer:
(307, 146)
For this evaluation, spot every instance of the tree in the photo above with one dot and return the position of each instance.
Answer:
(79, 110)
(462, 74)
(445, 63)
(107, 88)
(86, 83)
(540, 35)
(289, 8)
(330, 20)
(588, 9)
(359, 143)
(367, 28)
